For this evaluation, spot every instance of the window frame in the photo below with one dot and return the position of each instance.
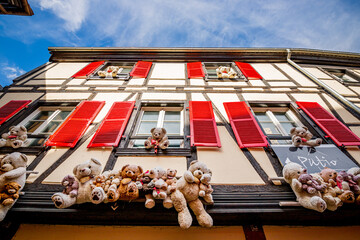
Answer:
(345, 71)
(232, 65)
(131, 65)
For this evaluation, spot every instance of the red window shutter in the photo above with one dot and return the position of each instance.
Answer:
(335, 129)
(247, 131)
(72, 129)
(203, 128)
(141, 69)
(88, 69)
(195, 70)
(112, 127)
(11, 108)
(249, 72)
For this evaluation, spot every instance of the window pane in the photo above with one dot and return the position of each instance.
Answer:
(126, 70)
(288, 126)
(174, 143)
(172, 127)
(145, 127)
(43, 115)
(50, 128)
(280, 142)
(172, 116)
(62, 115)
(262, 117)
(270, 128)
(33, 142)
(139, 143)
(32, 125)
(281, 117)
(150, 115)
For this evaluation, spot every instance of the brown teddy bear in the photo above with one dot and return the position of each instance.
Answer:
(330, 195)
(129, 187)
(171, 180)
(291, 173)
(309, 184)
(104, 187)
(71, 185)
(345, 181)
(302, 136)
(157, 140)
(147, 188)
(10, 193)
(187, 192)
(205, 188)
(15, 138)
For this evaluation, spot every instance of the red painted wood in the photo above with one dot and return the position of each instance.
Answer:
(113, 126)
(74, 127)
(336, 130)
(203, 129)
(11, 108)
(195, 70)
(249, 72)
(88, 69)
(247, 131)
(141, 69)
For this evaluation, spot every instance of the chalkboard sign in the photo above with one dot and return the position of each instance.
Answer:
(314, 159)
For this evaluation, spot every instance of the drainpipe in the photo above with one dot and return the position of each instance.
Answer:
(339, 97)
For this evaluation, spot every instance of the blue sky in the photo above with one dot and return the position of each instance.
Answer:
(327, 25)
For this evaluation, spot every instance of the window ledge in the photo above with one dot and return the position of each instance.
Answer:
(183, 152)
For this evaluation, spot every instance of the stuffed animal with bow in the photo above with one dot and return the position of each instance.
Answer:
(157, 140)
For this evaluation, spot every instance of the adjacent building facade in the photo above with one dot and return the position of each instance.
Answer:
(180, 89)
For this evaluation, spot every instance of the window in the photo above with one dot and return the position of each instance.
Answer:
(277, 122)
(114, 71)
(230, 70)
(43, 122)
(345, 75)
(170, 117)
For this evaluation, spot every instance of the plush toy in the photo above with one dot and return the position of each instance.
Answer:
(225, 72)
(111, 71)
(309, 184)
(291, 173)
(10, 194)
(147, 188)
(157, 140)
(355, 171)
(71, 185)
(13, 167)
(329, 194)
(159, 177)
(171, 180)
(345, 181)
(302, 136)
(129, 185)
(205, 188)
(84, 174)
(15, 138)
(104, 187)
(99, 181)
(187, 192)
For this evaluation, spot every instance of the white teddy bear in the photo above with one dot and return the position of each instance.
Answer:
(110, 71)
(225, 72)
(13, 169)
(15, 138)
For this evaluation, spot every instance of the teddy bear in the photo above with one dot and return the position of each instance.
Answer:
(205, 188)
(108, 180)
(13, 167)
(225, 72)
(171, 180)
(291, 173)
(355, 171)
(71, 185)
(302, 136)
(15, 138)
(10, 193)
(187, 192)
(111, 71)
(85, 174)
(345, 181)
(147, 188)
(309, 184)
(157, 140)
(129, 185)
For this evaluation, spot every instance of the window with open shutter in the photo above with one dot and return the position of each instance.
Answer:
(68, 134)
(112, 127)
(335, 129)
(141, 69)
(11, 108)
(203, 129)
(247, 132)
(88, 69)
(249, 72)
(195, 70)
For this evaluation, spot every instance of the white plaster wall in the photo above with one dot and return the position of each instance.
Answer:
(76, 81)
(168, 71)
(260, 156)
(197, 82)
(197, 97)
(317, 73)
(62, 70)
(136, 81)
(163, 96)
(310, 97)
(228, 84)
(338, 87)
(20, 88)
(268, 72)
(356, 89)
(45, 82)
(18, 96)
(282, 84)
(77, 88)
(66, 96)
(356, 130)
(229, 165)
(149, 162)
(104, 83)
(258, 83)
(344, 114)
(296, 75)
(266, 97)
(219, 98)
(37, 72)
(167, 82)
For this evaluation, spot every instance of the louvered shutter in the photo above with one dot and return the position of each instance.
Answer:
(249, 72)
(141, 69)
(11, 108)
(195, 70)
(112, 127)
(335, 129)
(247, 131)
(72, 129)
(203, 128)
(88, 69)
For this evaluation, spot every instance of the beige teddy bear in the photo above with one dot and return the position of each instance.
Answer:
(111, 71)
(157, 140)
(15, 138)
(187, 192)
(13, 167)
(225, 72)
(302, 136)
(291, 173)
(85, 174)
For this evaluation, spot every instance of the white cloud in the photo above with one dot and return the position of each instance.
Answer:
(9, 72)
